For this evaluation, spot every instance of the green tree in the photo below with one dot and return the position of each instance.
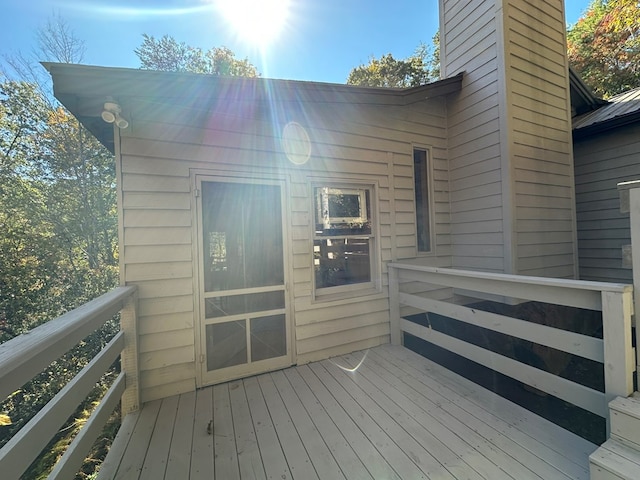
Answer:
(418, 69)
(58, 243)
(166, 54)
(604, 46)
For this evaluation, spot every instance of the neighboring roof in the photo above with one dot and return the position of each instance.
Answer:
(83, 89)
(620, 110)
(582, 98)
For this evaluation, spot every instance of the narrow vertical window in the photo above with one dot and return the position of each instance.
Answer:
(423, 217)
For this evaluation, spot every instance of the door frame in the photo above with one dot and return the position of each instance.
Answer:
(197, 177)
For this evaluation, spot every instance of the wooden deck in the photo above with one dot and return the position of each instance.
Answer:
(386, 413)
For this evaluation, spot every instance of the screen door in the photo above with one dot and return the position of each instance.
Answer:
(243, 300)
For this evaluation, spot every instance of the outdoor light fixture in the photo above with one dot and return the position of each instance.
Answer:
(111, 114)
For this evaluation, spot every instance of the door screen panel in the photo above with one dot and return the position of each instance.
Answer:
(242, 240)
(268, 337)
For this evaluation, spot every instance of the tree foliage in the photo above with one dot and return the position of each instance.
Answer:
(418, 69)
(604, 46)
(166, 54)
(58, 243)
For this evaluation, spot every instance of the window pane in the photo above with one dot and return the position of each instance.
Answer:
(342, 211)
(247, 303)
(421, 176)
(268, 337)
(341, 261)
(226, 345)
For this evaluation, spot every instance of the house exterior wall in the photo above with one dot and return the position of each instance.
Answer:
(601, 162)
(510, 148)
(369, 143)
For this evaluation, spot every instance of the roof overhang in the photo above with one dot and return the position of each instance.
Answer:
(83, 89)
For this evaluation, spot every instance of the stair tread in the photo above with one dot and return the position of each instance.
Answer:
(618, 458)
(627, 405)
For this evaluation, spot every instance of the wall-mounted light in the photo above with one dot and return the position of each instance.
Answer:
(111, 114)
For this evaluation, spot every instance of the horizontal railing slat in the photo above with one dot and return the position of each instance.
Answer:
(71, 461)
(558, 293)
(26, 445)
(570, 342)
(567, 390)
(24, 356)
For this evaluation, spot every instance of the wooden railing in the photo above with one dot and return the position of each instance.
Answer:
(22, 357)
(614, 350)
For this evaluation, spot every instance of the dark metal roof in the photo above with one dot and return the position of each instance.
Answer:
(619, 110)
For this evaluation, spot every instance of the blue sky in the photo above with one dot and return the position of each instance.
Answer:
(320, 40)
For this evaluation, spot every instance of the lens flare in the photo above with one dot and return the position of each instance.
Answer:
(256, 21)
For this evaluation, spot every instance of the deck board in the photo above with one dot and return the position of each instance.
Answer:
(383, 413)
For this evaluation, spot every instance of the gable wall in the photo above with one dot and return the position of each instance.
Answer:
(371, 143)
(602, 161)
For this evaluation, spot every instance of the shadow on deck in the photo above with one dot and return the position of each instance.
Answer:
(386, 413)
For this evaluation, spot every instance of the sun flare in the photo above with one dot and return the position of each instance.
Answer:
(255, 21)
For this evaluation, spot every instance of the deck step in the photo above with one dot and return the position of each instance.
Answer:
(614, 461)
(625, 421)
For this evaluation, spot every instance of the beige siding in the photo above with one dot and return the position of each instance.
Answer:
(470, 45)
(540, 129)
(602, 161)
(370, 144)
(511, 175)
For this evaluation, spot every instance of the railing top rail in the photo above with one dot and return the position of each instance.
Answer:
(520, 279)
(24, 356)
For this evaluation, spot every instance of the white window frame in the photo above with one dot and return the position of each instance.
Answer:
(353, 289)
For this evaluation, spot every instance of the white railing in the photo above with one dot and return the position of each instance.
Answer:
(22, 357)
(614, 350)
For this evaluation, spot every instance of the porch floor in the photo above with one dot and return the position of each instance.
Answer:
(386, 413)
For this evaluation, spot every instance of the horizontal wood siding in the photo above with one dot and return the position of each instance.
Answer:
(539, 123)
(469, 44)
(365, 143)
(602, 161)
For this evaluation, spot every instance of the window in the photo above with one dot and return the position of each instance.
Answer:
(343, 243)
(422, 190)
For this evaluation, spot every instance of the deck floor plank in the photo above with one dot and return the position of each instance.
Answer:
(518, 458)
(528, 422)
(249, 457)
(385, 439)
(524, 449)
(202, 453)
(224, 441)
(369, 455)
(390, 415)
(444, 448)
(346, 458)
(474, 450)
(179, 461)
(109, 467)
(273, 458)
(297, 457)
(400, 428)
(318, 451)
(155, 462)
(133, 458)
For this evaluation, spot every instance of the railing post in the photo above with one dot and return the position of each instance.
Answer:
(394, 306)
(619, 361)
(129, 358)
(630, 203)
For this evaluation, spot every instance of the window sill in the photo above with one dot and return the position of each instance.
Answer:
(351, 294)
